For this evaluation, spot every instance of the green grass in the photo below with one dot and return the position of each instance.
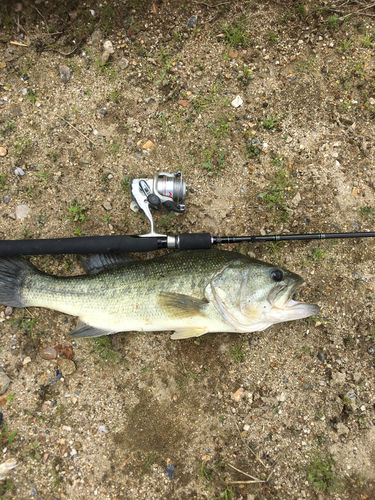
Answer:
(345, 44)
(235, 35)
(114, 148)
(125, 183)
(301, 10)
(219, 129)
(367, 212)
(203, 102)
(368, 41)
(273, 249)
(27, 323)
(6, 436)
(279, 190)
(52, 155)
(306, 65)
(6, 486)
(7, 124)
(332, 22)
(317, 254)
(3, 184)
(77, 213)
(101, 347)
(114, 96)
(21, 145)
(215, 162)
(44, 176)
(320, 474)
(270, 122)
(151, 460)
(31, 96)
(273, 36)
(237, 353)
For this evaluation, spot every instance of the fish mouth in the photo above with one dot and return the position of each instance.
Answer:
(292, 309)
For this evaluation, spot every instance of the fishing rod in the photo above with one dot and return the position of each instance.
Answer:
(165, 191)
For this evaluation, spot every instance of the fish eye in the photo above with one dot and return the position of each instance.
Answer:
(277, 275)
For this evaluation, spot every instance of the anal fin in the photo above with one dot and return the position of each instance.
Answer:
(84, 330)
(186, 333)
(178, 306)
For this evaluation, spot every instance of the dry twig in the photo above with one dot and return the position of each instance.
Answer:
(75, 128)
(253, 452)
(246, 474)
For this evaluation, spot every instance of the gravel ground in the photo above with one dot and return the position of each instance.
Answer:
(283, 414)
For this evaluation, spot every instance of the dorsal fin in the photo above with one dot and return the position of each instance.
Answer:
(94, 263)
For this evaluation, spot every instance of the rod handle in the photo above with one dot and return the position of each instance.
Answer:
(84, 245)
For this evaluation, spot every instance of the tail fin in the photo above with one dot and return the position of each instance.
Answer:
(12, 273)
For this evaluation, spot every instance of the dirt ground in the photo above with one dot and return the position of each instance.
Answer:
(287, 413)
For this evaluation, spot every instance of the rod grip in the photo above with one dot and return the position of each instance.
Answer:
(195, 241)
(84, 245)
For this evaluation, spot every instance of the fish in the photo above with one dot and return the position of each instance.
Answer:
(191, 292)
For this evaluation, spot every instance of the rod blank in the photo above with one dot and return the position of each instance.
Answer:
(133, 244)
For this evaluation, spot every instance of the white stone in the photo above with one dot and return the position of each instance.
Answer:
(108, 47)
(237, 102)
(22, 211)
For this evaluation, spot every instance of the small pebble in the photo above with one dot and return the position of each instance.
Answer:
(238, 394)
(103, 112)
(108, 47)
(148, 145)
(237, 102)
(193, 21)
(6, 199)
(96, 36)
(48, 353)
(123, 63)
(19, 171)
(321, 356)
(107, 205)
(3, 151)
(26, 361)
(8, 311)
(64, 73)
(4, 382)
(246, 427)
(22, 211)
(170, 471)
(67, 366)
(105, 56)
(371, 350)
(102, 428)
(6, 467)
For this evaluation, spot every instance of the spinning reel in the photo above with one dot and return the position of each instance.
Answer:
(164, 191)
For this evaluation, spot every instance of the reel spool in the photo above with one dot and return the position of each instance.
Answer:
(165, 190)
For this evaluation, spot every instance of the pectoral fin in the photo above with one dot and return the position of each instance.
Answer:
(178, 306)
(84, 330)
(186, 333)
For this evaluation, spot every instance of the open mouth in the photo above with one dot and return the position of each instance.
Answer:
(292, 309)
(282, 297)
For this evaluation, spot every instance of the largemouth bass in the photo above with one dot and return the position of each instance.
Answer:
(192, 292)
